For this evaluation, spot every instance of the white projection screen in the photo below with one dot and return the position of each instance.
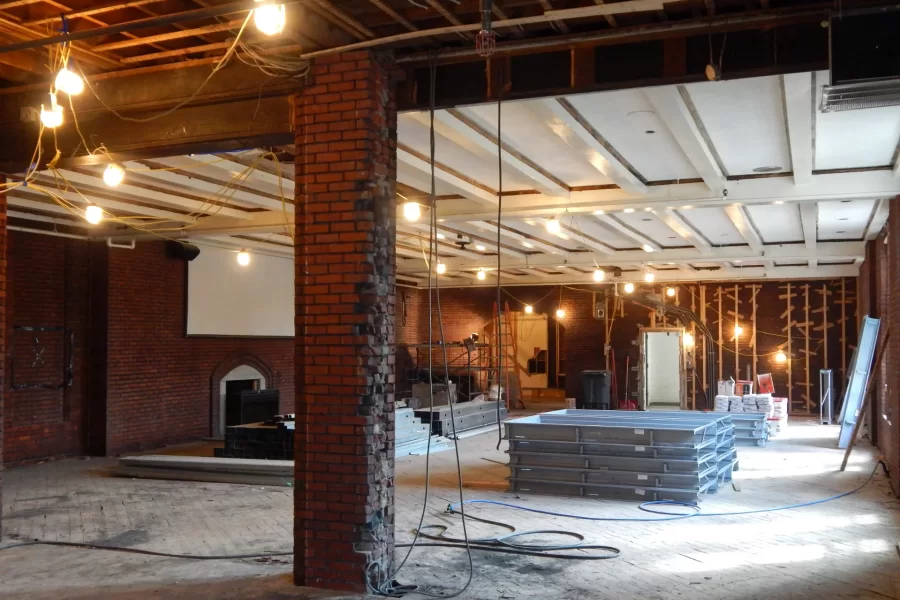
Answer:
(226, 299)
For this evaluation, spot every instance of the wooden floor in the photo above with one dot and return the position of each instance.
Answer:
(842, 549)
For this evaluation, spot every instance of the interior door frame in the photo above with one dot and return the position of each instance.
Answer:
(642, 365)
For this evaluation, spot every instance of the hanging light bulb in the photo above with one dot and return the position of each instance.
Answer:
(688, 340)
(780, 357)
(629, 287)
(93, 214)
(481, 275)
(269, 18)
(243, 258)
(599, 275)
(113, 175)
(649, 277)
(412, 211)
(52, 118)
(670, 292)
(560, 313)
(553, 226)
(529, 309)
(69, 82)
(441, 268)
(738, 330)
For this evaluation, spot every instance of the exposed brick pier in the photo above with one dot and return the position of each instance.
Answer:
(346, 136)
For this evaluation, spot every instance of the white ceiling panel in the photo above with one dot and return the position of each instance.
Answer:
(777, 223)
(844, 220)
(476, 165)
(591, 227)
(854, 138)
(625, 119)
(527, 135)
(744, 119)
(652, 227)
(713, 224)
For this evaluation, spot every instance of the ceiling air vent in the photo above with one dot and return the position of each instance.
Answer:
(857, 96)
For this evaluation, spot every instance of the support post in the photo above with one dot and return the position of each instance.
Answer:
(3, 305)
(345, 281)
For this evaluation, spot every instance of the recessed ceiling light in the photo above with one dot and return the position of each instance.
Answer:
(845, 201)
(629, 210)
(646, 220)
(672, 237)
(687, 207)
(598, 212)
(842, 219)
(841, 231)
(649, 132)
(440, 236)
(767, 169)
(778, 202)
(648, 209)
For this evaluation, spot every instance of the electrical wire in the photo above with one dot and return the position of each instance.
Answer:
(89, 546)
(668, 516)
(499, 255)
(218, 66)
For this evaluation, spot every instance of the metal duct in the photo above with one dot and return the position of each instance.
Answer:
(857, 96)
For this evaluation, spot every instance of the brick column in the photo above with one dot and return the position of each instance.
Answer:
(2, 336)
(346, 138)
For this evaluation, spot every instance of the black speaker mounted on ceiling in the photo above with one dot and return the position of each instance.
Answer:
(181, 250)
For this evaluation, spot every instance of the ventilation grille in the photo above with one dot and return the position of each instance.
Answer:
(857, 96)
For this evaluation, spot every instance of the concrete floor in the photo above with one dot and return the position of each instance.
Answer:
(839, 550)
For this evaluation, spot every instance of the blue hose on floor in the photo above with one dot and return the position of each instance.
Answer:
(696, 511)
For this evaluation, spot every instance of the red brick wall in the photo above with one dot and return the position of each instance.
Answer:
(346, 133)
(880, 297)
(158, 379)
(47, 287)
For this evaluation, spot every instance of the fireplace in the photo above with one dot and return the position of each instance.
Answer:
(227, 391)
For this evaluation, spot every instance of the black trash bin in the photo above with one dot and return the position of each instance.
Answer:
(596, 390)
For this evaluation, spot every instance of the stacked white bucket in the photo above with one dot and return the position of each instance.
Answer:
(778, 419)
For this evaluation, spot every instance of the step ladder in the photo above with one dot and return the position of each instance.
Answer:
(503, 363)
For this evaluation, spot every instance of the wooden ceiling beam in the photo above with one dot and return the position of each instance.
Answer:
(87, 12)
(173, 35)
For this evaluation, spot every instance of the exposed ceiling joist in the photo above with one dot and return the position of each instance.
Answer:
(587, 232)
(799, 107)
(742, 223)
(639, 239)
(680, 226)
(258, 168)
(561, 118)
(825, 251)
(670, 104)
(471, 136)
(809, 216)
(220, 190)
(40, 201)
(766, 190)
(485, 238)
(148, 195)
(462, 187)
(525, 241)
